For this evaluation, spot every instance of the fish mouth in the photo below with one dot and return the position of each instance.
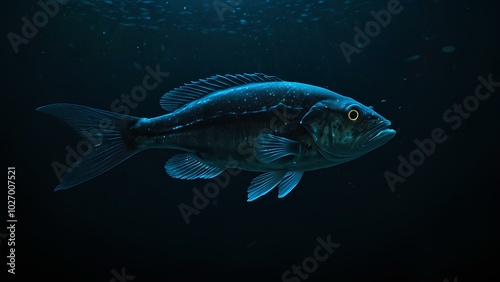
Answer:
(378, 135)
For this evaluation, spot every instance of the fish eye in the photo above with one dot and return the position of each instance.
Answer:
(353, 114)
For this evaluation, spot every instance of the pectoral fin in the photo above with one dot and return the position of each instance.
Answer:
(265, 182)
(269, 148)
(188, 166)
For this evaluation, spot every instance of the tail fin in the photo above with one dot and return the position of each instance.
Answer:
(107, 136)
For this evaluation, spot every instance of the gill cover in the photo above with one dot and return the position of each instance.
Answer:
(316, 122)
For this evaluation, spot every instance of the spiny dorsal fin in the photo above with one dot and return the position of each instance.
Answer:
(180, 96)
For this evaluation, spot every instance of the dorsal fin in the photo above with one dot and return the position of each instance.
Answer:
(180, 96)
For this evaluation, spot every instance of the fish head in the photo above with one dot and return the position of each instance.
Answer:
(345, 129)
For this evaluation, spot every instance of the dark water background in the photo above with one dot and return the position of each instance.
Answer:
(441, 223)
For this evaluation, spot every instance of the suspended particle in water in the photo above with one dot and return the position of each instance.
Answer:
(448, 49)
(412, 58)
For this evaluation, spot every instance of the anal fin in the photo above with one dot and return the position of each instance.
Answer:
(188, 166)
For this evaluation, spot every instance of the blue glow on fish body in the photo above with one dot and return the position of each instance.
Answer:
(255, 122)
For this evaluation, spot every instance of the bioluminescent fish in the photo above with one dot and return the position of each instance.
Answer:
(218, 120)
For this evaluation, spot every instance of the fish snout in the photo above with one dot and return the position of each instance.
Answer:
(377, 135)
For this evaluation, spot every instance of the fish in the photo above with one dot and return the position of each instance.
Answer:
(253, 122)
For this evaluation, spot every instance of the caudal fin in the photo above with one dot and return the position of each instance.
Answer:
(107, 137)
